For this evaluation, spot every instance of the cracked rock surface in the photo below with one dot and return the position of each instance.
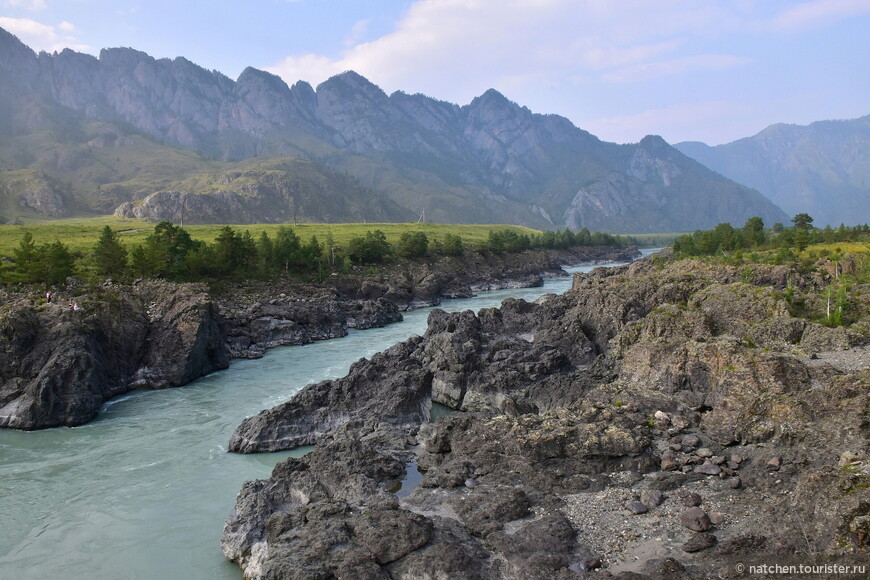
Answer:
(657, 421)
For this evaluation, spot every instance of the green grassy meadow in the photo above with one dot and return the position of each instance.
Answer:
(81, 234)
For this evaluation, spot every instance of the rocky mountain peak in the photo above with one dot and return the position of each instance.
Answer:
(303, 91)
(491, 161)
(656, 146)
(493, 105)
(351, 83)
(303, 96)
(253, 77)
(13, 48)
(18, 64)
(124, 57)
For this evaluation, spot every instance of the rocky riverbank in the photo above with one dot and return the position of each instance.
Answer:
(261, 315)
(657, 421)
(61, 360)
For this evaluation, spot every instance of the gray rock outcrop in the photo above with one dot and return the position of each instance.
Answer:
(629, 389)
(59, 364)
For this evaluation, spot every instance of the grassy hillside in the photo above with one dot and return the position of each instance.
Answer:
(94, 167)
(102, 165)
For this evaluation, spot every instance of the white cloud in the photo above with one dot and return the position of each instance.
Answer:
(678, 66)
(570, 56)
(32, 5)
(818, 13)
(357, 33)
(680, 121)
(308, 67)
(458, 48)
(39, 36)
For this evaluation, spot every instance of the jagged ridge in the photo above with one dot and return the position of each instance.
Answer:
(489, 161)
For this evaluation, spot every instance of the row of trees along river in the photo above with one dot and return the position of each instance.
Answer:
(170, 252)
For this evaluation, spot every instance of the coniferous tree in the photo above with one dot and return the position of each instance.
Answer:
(56, 263)
(26, 258)
(110, 255)
(286, 249)
(452, 245)
(164, 253)
(370, 249)
(412, 245)
(753, 232)
(265, 253)
(802, 221)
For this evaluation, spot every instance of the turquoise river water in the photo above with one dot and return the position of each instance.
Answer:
(142, 491)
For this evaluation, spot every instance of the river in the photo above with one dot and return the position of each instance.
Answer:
(142, 491)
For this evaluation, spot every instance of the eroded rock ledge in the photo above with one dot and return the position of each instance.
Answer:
(59, 364)
(654, 422)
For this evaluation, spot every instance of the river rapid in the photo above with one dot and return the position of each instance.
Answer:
(142, 491)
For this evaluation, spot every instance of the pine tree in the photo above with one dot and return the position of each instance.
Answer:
(110, 255)
(56, 263)
(26, 258)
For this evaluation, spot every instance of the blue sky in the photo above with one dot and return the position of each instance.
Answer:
(705, 70)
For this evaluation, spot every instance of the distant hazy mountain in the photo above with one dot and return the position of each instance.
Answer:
(99, 133)
(822, 169)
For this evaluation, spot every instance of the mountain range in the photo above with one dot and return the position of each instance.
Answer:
(163, 138)
(822, 168)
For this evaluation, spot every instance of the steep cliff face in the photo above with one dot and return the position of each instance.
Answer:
(491, 161)
(658, 187)
(60, 364)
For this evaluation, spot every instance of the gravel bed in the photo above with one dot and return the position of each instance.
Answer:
(856, 358)
(621, 539)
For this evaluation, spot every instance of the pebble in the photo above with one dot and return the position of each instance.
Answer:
(704, 452)
(679, 423)
(586, 565)
(652, 498)
(699, 542)
(637, 507)
(692, 500)
(708, 469)
(695, 519)
(661, 420)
